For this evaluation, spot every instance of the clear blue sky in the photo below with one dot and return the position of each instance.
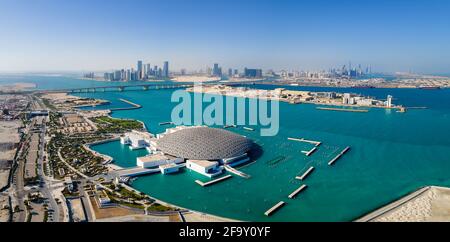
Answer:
(390, 35)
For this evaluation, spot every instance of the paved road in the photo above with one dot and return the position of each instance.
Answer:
(45, 187)
(19, 183)
(46, 182)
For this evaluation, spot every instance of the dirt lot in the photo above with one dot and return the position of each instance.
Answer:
(76, 207)
(110, 212)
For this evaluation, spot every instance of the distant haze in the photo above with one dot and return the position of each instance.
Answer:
(81, 35)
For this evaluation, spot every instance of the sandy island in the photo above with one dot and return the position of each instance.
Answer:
(18, 86)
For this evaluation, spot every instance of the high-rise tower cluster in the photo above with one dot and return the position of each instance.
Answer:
(142, 72)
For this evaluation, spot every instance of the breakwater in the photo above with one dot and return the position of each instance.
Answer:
(133, 106)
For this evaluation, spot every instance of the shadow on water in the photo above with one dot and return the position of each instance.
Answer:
(256, 152)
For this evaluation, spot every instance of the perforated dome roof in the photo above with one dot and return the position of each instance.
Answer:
(203, 143)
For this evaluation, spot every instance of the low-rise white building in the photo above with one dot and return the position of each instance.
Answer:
(136, 139)
(204, 167)
(169, 168)
(155, 160)
(365, 102)
(125, 140)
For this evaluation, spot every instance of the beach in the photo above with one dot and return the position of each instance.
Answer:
(428, 204)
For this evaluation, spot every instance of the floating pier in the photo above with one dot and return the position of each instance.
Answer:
(344, 110)
(306, 174)
(249, 129)
(274, 208)
(236, 172)
(296, 192)
(316, 143)
(309, 153)
(205, 184)
(165, 123)
(338, 156)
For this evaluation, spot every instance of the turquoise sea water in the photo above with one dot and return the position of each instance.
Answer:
(122, 153)
(392, 154)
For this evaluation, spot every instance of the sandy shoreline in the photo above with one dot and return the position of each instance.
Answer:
(428, 204)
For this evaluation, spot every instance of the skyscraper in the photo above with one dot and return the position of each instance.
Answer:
(216, 70)
(166, 69)
(128, 75)
(149, 70)
(139, 70)
(252, 73)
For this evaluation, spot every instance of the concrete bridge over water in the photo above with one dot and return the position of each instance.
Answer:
(135, 87)
(120, 88)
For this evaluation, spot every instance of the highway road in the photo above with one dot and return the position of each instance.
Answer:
(46, 182)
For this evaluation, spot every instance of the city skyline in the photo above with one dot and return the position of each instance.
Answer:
(85, 36)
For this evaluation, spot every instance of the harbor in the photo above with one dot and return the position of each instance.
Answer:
(278, 155)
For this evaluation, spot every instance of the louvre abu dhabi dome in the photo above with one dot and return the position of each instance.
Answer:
(203, 143)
